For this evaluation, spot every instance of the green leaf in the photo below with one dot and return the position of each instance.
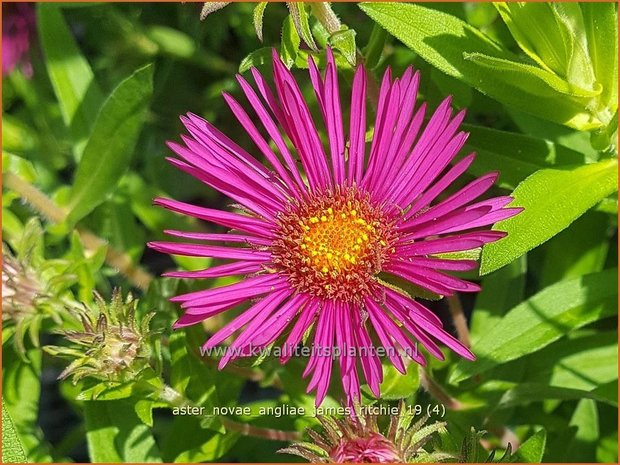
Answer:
(116, 434)
(110, 147)
(21, 389)
(259, 11)
(532, 450)
(12, 449)
(72, 78)
(395, 385)
(563, 260)
(531, 79)
(552, 199)
(374, 48)
(501, 291)
(344, 42)
(290, 42)
(533, 392)
(192, 377)
(299, 16)
(542, 319)
(601, 26)
(585, 418)
(443, 41)
(256, 58)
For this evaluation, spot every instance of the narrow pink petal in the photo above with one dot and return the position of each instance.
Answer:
(440, 186)
(456, 243)
(230, 220)
(460, 198)
(199, 250)
(305, 319)
(249, 240)
(357, 128)
(229, 269)
(227, 293)
(189, 319)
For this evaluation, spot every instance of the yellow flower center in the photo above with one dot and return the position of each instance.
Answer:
(333, 244)
(336, 240)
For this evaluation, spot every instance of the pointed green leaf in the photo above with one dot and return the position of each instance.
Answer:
(12, 449)
(111, 144)
(259, 11)
(542, 319)
(552, 199)
(115, 433)
(290, 42)
(533, 449)
(72, 78)
(443, 41)
(300, 18)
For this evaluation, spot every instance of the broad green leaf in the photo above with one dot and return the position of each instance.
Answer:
(12, 449)
(299, 15)
(444, 40)
(515, 156)
(256, 58)
(21, 389)
(562, 260)
(187, 442)
(344, 42)
(115, 433)
(532, 392)
(374, 48)
(192, 377)
(16, 135)
(501, 291)
(533, 449)
(552, 199)
(542, 319)
(290, 42)
(585, 418)
(395, 385)
(72, 78)
(259, 11)
(601, 26)
(530, 79)
(110, 147)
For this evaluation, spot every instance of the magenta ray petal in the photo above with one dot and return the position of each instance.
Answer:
(468, 193)
(380, 319)
(259, 309)
(456, 243)
(229, 269)
(227, 237)
(262, 280)
(213, 251)
(415, 310)
(230, 220)
(189, 319)
(274, 325)
(357, 126)
(304, 320)
(266, 306)
(273, 132)
(371, 365)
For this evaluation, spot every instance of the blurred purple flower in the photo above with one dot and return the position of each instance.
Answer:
(317, 227)
(18, 26)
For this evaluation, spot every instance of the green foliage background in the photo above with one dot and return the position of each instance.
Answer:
(88, 131)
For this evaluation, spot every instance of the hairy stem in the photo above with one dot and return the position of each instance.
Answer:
(459, 320)
(435, 390)
(326, 16)
(55, 214)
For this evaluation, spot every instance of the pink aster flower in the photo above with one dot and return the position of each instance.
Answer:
(18, 25)
(317, 225)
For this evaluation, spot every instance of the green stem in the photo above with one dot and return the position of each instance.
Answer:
(45, 207)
